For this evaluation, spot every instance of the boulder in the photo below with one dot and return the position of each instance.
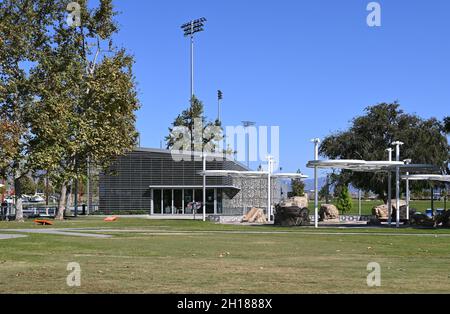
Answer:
(298, 201)
(380, 212)
(421, 220)
(291, 216)
(443, 219)
(255, 215)
(328, 212)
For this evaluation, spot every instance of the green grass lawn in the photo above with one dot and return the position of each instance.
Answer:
(366, 206)
(165, 256)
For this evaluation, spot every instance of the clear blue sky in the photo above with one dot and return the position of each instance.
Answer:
(307, 66)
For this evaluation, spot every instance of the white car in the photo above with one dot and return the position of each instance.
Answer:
(37, 199)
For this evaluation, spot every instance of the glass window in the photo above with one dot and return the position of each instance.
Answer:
(219, 201)
(188, 199)
(167, 202)
(157, 201)
(209, 201)
(178, 201)
(198, 195)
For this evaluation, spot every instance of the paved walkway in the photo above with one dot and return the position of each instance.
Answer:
(11, 236)
(62, 231)
(99, 232)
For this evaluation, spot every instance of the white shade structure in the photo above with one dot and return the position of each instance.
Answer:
(427, 177)
(353, 165)
(250, 174)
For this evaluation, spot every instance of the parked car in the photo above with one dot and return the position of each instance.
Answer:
(36, 199)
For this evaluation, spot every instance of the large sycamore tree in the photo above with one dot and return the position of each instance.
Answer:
(23, 34)
(371, 134)
(84, 111)
(68, 95)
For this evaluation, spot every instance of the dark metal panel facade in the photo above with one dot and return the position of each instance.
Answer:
(126, 186)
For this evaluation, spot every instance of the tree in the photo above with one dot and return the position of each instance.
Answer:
(298, 186)
(344, 201)
(369, 136)
(191, 129)
(78, 115)
(23, 35)
(447, 125)
(27, 185)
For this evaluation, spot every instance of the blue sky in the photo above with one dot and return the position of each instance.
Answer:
(307, 66)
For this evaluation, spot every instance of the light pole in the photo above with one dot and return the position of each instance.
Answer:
(397, 181)
(408, 194)
(389, 202)
(189, 29)
(316, 142)
(246, 125)
(269, 201)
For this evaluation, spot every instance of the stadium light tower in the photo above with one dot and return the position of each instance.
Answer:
(189, 30)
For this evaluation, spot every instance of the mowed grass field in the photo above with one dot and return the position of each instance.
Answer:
(166, 256)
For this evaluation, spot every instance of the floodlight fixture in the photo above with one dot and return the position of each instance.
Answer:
(193, 27)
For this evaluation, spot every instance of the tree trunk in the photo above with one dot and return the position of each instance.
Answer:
(18, 195)
(68, 200)
(62, 202)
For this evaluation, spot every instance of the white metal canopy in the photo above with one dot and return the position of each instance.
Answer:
(427, 177)
(250, 174)
(355, 165)
(347, 164)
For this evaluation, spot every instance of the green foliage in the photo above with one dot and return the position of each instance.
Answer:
(192, 129)
(27, 185)
(298, 186)
(344, 201)
(369, 136)
(447, 125)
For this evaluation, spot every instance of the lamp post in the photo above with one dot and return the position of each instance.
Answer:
(408, 195)
(316, 142)
(269, 201)
(389, 202)
(246, 125)
(397, 181)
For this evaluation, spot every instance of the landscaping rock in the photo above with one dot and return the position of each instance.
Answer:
(328, 212)
(380, 212)
(298, 201)
(291, 216)
(443, 219)
(421, 220)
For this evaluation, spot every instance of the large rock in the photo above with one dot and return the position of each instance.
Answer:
(422, 220)
(381, 211)
(328, 212)
(298, 201)
(255, 215)
(291, 216)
